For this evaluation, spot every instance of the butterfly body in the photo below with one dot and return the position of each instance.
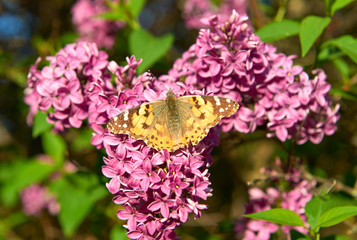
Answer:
(175, 122)
(173, 110)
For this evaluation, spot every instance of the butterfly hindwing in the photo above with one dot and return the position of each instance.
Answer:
(160, 136)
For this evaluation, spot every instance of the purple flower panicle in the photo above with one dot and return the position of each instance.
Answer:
(292, 192)
(35, 198)
(229, 60)
(157, 189)
(196, 11)
(60, 89)
(91, 27)
(105, 101)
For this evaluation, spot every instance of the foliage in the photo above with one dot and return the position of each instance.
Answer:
(320, 211)
(66, 165)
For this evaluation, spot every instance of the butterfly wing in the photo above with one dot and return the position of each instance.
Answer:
(202, 113)
(146, 122)
(161, 135)
(195, 115)
(137, 121)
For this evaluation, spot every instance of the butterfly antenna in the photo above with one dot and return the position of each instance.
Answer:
(154, 77)
(151, 74)
(177, 84)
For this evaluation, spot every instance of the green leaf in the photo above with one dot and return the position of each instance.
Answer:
(338, 4)
(329, 52)
(316, 207)
(9, 222)
(40, 124)
(144, 45)
(76, 195)
(343, 94)
(113, 16)
(341, 199)
(82, 140)
(343, 67)
(118, 233)
(214, 238)
(310, 29)
(278, 30)
(347, 44)
(341, 237)
(328, 4)
(66, 38)
(54, 146)
(136, 6)
(279, 216)
(27, 172)
(336, 215)
(295, 235)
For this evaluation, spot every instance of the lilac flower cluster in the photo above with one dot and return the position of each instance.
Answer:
(196, 10)
(295, 194)
(106, 101)
(91, 27)
(61, 88)
(228, 59)
(35, 198)
(157, 189)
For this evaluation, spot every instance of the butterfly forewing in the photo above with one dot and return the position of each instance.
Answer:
(210, 109)
(137, 121)
(205, 112)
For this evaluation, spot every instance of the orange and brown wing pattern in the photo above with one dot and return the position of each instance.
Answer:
(138, 121)
(204, 112)
(146, 122)
(193, 115)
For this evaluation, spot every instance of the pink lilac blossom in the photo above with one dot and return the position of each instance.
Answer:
(196, 10)
(60, 89)
(157, 189)
(35, 198)
(105, 100)
(296, 193)
(91, 27)
(229, 60)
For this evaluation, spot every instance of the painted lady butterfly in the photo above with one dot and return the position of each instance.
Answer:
(175, 122)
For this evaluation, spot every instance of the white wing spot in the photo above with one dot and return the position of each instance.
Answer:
(124, 125)
(115, 118)
(126, 115)
(228, 100)
(218, 102)
(226, 108)
(221, 110)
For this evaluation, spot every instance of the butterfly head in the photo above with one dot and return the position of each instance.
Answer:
(170, 99)
(170, 94)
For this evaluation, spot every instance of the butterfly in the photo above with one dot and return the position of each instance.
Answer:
(175, 122)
